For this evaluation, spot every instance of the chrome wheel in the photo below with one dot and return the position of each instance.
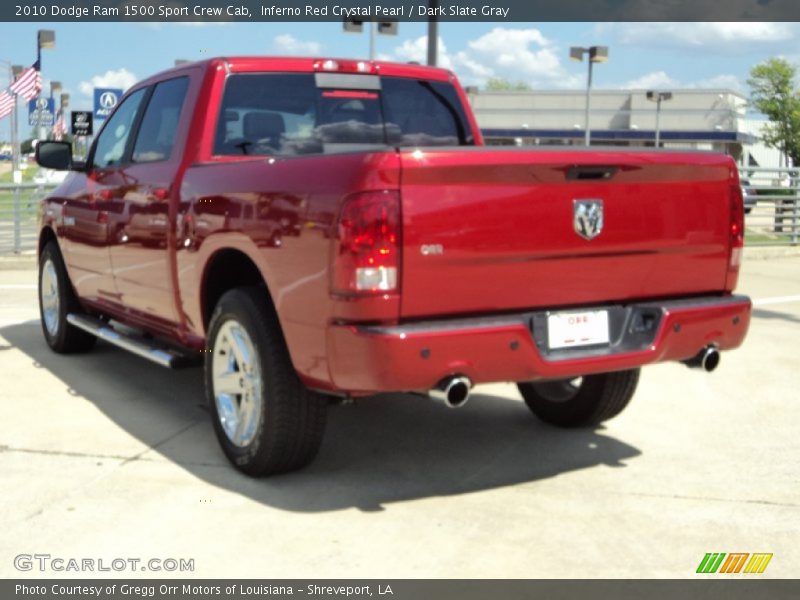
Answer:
(236, 380)
(561, 390)
(48, 293)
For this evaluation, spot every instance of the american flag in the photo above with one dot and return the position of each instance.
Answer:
(29, 83)
(59, 129)
(6, 104)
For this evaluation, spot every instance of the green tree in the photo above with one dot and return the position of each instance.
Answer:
(27, 146)
(773, 92)
(496, 84)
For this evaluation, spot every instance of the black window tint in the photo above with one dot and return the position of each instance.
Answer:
(160, 123)
(113, 140)
(426, 113)
(289, 114)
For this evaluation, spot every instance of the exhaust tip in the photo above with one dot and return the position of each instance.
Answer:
(707, 359)
(453, 392)
(710, 360)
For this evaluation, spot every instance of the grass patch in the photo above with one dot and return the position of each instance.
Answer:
(27, 176)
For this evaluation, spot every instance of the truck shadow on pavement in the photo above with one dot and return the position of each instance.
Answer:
(378, 451)
(760, 313)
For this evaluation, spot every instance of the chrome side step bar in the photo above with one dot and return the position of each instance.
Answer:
(137, 345)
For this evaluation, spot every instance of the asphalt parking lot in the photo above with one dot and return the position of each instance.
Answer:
(106, 455)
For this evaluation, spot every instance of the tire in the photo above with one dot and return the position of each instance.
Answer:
(581, 402)
(56, 301)
(265, 419)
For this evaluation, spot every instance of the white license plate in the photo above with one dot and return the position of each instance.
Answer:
(571, 329)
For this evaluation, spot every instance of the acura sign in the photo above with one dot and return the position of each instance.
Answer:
(105, 99)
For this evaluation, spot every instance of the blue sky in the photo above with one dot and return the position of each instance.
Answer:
(642, 55)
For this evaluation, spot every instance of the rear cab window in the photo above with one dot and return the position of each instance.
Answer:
(301, 114)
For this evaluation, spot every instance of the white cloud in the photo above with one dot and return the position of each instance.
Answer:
(528, 56)
(661, 80)
(727, 82)
(288, 44)
(514, 54)
(730, 37)
(121, 78)
(521, 52)
(417, 51)
(656, 79)
(471, 68)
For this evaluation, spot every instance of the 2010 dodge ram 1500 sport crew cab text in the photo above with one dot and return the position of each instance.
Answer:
(314, 228)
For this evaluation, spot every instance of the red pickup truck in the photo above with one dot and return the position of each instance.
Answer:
(314, 228)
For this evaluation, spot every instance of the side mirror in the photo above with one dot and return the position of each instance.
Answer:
(54, 155)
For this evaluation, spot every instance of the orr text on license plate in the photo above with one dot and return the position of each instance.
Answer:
(573, 329)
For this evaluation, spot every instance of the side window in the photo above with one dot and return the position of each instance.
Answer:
(160, 123)
(111, 144)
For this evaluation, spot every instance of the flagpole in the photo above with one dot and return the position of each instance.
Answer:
(14, 145)
(14, 126)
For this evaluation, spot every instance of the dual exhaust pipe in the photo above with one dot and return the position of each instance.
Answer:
(452, 391)
(707, 359)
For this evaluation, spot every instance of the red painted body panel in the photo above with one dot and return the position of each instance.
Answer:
(138, 241)
(362, 361)
(287, 229)
(506, 216)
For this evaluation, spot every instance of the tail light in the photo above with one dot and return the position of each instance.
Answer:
(367, 256)
(736, 233)
(345, 66)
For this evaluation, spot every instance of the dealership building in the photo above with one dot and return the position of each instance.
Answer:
(702, 119)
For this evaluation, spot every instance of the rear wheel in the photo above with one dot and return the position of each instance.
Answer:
(266, 420)
(582, 401)
(56, 301)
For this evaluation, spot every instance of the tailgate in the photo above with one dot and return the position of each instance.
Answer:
(493, 229)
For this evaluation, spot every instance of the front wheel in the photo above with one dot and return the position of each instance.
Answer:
(266, 420)
(581, 401)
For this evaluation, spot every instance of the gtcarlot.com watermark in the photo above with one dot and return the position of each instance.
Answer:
(46, 563)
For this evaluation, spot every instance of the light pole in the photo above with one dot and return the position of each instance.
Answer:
(45, 38)
(597, 54)
(433, 33)
(375, 28)
(658, 98)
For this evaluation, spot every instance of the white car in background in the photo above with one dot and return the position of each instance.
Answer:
(49, 177)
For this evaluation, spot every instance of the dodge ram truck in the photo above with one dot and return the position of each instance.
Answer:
(321, 228)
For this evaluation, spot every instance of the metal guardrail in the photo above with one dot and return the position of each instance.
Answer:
(773, 220)
(19, 216)
(773, 198)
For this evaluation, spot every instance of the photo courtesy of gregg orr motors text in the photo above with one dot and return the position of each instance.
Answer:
(46, 563)
(189, 590)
